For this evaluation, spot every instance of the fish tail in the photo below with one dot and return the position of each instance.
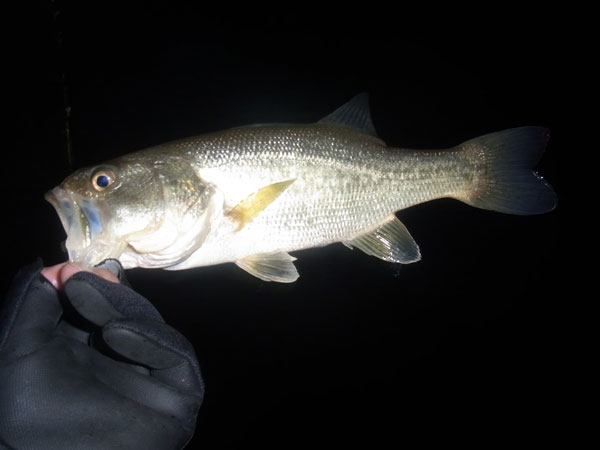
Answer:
(504, 180)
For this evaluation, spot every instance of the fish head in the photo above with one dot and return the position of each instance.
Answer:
(132, 210)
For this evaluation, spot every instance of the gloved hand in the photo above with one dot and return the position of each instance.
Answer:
(92, 367)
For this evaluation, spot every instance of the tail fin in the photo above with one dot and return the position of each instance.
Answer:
(506, 181)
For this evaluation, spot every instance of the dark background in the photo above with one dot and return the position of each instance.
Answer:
(460, 347)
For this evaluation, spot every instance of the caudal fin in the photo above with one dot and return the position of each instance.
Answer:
(505, 181)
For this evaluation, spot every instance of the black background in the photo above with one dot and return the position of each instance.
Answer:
(460, 347)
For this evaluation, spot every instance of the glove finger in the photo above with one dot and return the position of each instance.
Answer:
(168, 354)
(101, 301)
(90, 303)
(115, 267)
(142, 387)
(30, 312)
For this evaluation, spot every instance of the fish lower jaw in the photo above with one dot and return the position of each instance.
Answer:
(95, 252)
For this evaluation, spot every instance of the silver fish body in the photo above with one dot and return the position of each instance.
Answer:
(252, 194)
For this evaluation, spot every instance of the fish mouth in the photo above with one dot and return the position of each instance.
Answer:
(81, 221)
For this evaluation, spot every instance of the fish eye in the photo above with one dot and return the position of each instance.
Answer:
(103, 178)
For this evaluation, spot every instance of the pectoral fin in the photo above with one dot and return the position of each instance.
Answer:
(271, 267)
(247, 210)
(391, 242)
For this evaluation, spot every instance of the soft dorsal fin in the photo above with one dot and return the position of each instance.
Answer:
(355, 114)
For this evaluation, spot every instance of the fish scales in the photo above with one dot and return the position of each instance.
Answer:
(346, 183)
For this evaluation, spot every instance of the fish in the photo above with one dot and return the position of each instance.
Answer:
(250, 195)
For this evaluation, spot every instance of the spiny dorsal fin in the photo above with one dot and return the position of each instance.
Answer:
(391, 242)
(277, 267)
(355, 114)
(247, 210)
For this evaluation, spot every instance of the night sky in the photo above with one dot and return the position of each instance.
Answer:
(458, 347)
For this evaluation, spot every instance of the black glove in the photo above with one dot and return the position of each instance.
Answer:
(95, 368)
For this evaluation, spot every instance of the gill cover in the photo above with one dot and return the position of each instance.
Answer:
(188, 206)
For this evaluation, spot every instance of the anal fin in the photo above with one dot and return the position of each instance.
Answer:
(391, 242)
(277, 267)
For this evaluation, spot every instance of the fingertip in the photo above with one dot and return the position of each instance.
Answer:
(60, 273)
(66, 272)
(51, 274)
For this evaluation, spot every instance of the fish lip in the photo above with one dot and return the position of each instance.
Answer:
(59, 199)
(79, 218)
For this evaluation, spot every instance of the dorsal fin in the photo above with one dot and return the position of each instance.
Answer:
(355, 114)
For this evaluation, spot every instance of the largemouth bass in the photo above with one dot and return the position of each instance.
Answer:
(250, 195)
